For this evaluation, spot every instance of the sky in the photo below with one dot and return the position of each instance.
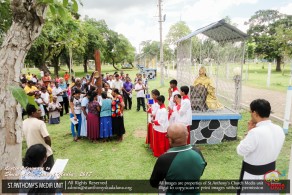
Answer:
(138, 19)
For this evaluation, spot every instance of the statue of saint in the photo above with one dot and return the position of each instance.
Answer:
(205, 84)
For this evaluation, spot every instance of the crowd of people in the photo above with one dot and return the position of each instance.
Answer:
(100, 117)
(93, 115)
(168, 132)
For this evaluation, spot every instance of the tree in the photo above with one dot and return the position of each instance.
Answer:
(95, 36)
(284, 36)
(177, 31)
(118, 49)
(167, 53)
(67, 36)
(262, 31)
(5, 18)
(150, 49)
(59, 33)
(28, 21)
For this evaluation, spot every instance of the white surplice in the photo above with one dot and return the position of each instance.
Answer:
(184, 114)
(152, 111)
(162, 118)
(171, 104)
(261, 146)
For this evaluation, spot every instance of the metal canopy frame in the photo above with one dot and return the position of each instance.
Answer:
(219, 31)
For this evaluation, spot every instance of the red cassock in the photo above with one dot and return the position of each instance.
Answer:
(160, 125)
(149, 138)
(160, 143)
(151, 115)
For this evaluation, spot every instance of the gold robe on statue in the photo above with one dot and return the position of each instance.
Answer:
(211, 99)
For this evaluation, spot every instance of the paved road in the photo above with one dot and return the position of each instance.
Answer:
(277, 99)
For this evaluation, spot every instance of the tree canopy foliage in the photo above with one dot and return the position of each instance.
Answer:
(267, 30)
(64, 31)
(177, 31)
(5, 18)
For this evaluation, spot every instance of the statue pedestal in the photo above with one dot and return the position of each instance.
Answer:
(213, 127)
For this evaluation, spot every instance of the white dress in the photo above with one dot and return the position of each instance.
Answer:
(83, 131)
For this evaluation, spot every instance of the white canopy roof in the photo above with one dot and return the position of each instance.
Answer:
(219, 31)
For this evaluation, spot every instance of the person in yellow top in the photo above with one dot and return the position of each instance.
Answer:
(28, 76)
(30, 89)
(211, 100)
(50, 91)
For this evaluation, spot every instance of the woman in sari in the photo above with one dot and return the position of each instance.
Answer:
(93, 117)
(117, 114)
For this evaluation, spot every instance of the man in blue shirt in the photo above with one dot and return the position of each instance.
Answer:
(127, 93)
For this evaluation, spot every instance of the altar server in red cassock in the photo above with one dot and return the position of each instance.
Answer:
(152, 109)
(172, 91)
(177, 104)
(160, 124)
(184, 114)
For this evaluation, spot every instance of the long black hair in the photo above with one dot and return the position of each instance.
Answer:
(92, 95)
(34, 155)
(115, 90)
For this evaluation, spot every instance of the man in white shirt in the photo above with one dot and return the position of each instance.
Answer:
(118, 83)
(262, 144)
(110, 81)
(139, 88)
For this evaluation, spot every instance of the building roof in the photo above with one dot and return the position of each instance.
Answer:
(219, 31)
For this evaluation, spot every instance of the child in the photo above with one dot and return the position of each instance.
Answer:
(75, 113)
(160, 125)
(139, 88)
(152, 109)
(185, 111)
(46, 100)
(40, 103)
(172, 91)
(174, 117)
(54, 111)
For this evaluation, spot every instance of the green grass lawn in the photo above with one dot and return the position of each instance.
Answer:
(131, 158)
(258, 73)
